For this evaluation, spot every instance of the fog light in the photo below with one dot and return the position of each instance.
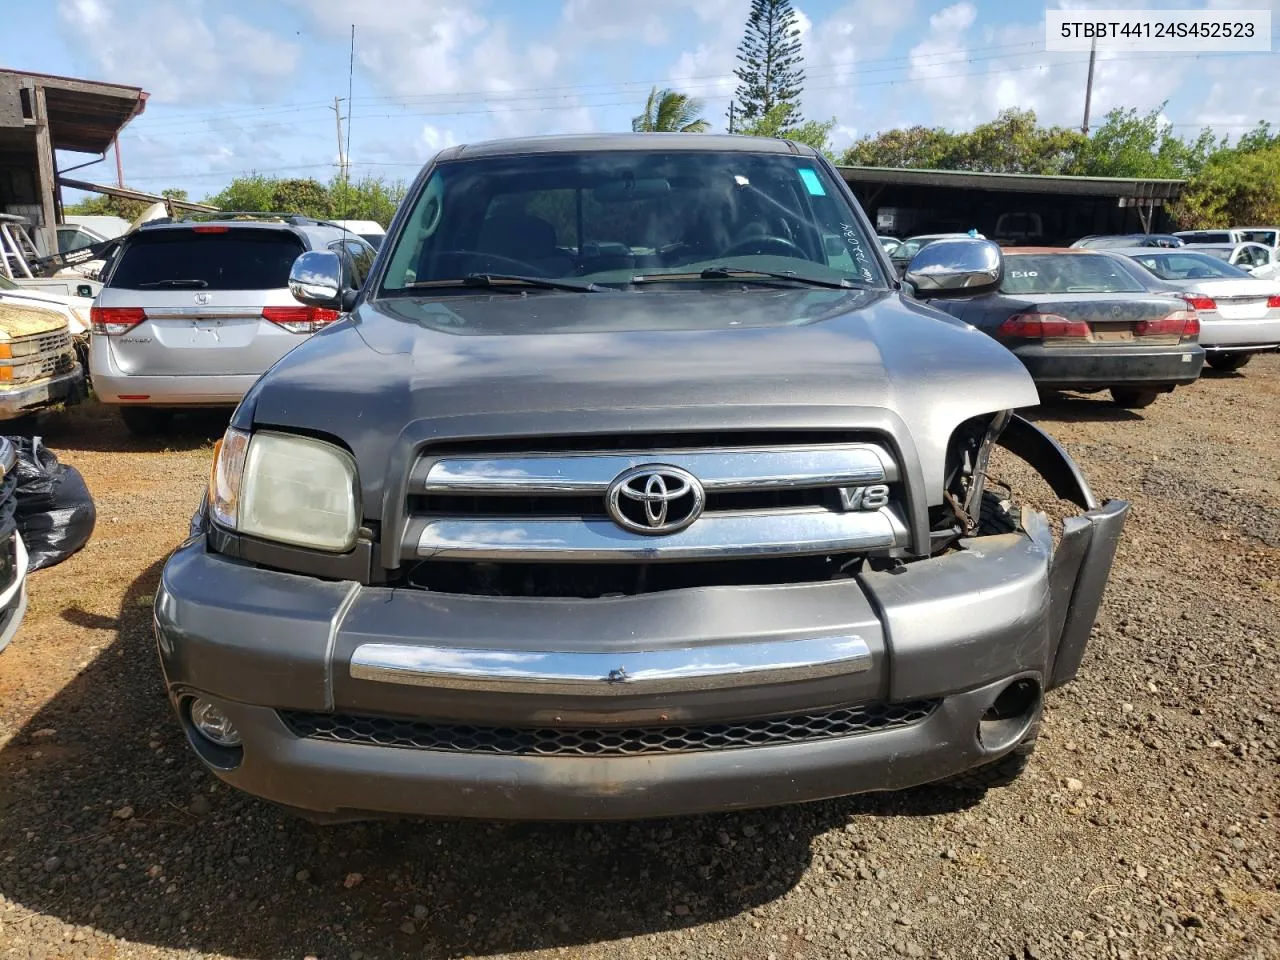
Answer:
(214, 725)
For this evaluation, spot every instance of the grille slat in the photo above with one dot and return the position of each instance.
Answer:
(601, 741)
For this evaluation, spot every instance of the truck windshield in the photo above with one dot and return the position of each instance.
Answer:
(608, 216)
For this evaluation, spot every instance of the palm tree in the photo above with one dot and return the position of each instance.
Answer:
(670, 112)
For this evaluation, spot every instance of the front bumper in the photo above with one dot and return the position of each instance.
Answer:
(19, 400)
(1090, 368)
(954, 630)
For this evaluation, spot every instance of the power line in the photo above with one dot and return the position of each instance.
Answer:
(549, 100)
(611, 86)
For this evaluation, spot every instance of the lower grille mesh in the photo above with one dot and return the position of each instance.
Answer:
(603, 742)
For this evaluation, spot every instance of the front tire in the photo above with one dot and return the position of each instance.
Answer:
(1228, 360)
(146, 421)
(1131, 399)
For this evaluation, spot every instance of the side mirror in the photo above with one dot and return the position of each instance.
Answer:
(955, 268)
(316, 279)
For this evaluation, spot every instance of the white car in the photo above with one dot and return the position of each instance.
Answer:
(370, 231)
(1253, 258)
(1239, 314)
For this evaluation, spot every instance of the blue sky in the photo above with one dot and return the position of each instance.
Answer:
(237, 86)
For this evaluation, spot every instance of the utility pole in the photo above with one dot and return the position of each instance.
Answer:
(1088, 90)
(119, 166)
(731, 106)
(337, 119)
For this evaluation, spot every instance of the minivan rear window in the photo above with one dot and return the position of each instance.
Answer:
(184, 259)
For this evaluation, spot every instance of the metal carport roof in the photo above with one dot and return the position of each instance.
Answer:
(1118, 187)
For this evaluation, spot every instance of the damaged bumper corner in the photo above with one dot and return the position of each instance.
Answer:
(1080, 566)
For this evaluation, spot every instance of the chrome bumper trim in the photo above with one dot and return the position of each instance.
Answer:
(608, 674)
(719, 470)
(714, 536)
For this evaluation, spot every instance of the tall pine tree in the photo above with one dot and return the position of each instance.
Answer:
(772, 71)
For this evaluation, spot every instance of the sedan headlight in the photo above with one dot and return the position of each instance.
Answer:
(286, 488)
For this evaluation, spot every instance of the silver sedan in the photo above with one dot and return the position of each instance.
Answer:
(1239, 313)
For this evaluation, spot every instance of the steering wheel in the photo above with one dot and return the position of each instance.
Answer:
(520, 266)
(780, 246)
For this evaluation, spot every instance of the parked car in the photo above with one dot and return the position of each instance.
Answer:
(370, 231)
(1253, 258)
(908, 248)
(1210, 236)
(75, 237)
(75, 311)
(193, 311)
(614, 516)
(20, 262)
(1083, 320)
(38, 364)
(13, 552)
(889, 244)
(1239, 314)
(1113, 241)
(106, 226)
(1019, 228)
(1269, 237)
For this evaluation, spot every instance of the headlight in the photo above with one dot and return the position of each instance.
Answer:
(285, 488)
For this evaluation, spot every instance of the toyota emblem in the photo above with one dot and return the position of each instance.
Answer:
(655, 499)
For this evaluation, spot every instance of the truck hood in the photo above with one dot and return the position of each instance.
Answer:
(723, 359)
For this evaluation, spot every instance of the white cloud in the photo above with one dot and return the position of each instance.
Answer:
(182, 51)
(609, 20)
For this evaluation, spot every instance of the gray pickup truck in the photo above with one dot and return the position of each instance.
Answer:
(632, 483)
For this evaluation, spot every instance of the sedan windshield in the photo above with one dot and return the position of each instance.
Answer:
(607, 217)
(1189, 266)
(1066, 273)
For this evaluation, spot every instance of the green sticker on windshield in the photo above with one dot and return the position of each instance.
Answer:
(812, 183)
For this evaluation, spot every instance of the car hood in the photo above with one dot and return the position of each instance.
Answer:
(616, 362)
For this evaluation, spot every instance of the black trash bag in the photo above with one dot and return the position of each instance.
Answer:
(55, 513)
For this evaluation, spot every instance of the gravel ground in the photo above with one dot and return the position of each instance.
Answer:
(1144, 827)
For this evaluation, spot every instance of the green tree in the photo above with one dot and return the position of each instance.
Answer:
(926, 148)
(306, 196)
(368, 198)
(772, 71)
(1130, 144)
(1259, 138)
(667, 111)
(814, 133)
(1234, 186)
(1014, 142)
(250, 192)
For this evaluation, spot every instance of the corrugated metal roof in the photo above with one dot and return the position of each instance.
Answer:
(1018, 182)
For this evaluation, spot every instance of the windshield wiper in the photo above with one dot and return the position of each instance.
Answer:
(500, 280)
(192, 284)
(731, 273)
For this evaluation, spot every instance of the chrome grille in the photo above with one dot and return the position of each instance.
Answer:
(603, 741)
(544, 507)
